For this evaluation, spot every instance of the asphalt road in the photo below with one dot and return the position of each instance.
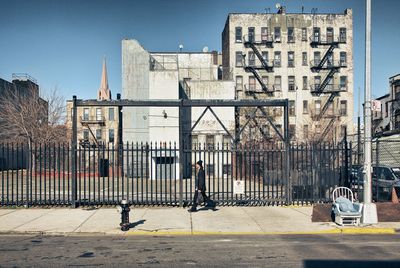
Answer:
(307, 251)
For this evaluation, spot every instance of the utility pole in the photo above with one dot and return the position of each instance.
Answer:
(369, 215)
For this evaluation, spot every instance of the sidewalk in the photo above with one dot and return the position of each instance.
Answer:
(175, 221)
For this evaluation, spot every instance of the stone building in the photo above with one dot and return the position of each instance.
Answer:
(97, 125)
(394, 82)
(306, 58)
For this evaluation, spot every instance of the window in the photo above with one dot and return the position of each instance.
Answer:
(317, 129)
(292, 131)
(317, 82)
(226, 140)
(252, 82)
(252, 58)
(305, 131)
(329, 35)
(86, 114)
(277, 34)
(266, 130)
(329, 111)
(86, 134)
(386, 109)
(303, 34)
(278, 83)
(317, 58)
(111, 114)
(195, 141)
(98, 114)
(210, 141)
(290, 59)
(290, 35)
(343, 58)
(111, 135)
(343, 107)
(251, 34)
(304, 58)
(264, 34)
(292, 84)
(238, 34)
(210, 169)
(292, 108)
(317, 107)
(329, 61)
(277, 59)
(239, 82)
(264, 79)
(226, 169)
(343, 130)
(265, 56)
(342, 35)
(98, 134)
(316, 34)
(305, 83)
(239, 59)
(343, 83)
(305, 107)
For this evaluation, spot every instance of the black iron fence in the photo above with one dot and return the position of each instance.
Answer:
(153, 174)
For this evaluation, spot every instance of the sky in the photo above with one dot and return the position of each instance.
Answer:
(62, 43)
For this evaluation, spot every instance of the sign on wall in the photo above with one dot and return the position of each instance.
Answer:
(238, 187)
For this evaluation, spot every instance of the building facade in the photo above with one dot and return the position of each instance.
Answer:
(307, 58)
(100, 125)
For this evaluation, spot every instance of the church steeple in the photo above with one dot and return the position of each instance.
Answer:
(104, 91)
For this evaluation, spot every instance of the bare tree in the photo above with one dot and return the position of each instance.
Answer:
(26, 117)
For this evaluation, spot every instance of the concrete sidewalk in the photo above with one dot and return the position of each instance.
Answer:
(175, 221)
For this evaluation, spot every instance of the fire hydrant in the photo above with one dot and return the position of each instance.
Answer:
(124, 210)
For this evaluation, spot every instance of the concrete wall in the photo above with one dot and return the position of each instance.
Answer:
(135, 85)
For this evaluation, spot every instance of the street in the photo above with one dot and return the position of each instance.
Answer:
(203, 251)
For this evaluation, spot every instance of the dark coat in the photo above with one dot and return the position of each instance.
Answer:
(201, 180)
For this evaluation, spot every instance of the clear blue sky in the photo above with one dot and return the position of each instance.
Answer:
(62, 43)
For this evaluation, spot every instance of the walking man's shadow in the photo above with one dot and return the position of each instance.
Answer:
(134, 224)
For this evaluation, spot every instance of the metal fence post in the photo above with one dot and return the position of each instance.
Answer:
(287, 154)
(74, 143)
(181, 153)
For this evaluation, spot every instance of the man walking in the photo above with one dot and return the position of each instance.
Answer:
(200, 185)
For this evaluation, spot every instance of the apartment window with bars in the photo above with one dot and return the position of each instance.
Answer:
(239, 82)
(292, 131)
(305, 131)
(239, 59)
(252, 82)
(292, 108)
(343, 58)
(251, 34)
(329, 61)
(342, 35)
(329, 111)
(265, 80)
(343, 83)
(238, 34)
(343, 107)
(304, 58)
(277, 34)
(305, 83)
(98, 114)
(264, 34)
(317, 82)
(291, 59)
(278, 83)
(111, 114)
(303, 34)
(195, 141)
(305, 107)
(292, 83)
(317, 129)
(290, 35)
(86, 134)
(210, 141)
(85, 113)
(317, 107)
(252, 58)
(277, 59)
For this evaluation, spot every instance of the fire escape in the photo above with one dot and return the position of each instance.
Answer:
(327, 65)
(87, 121)
(251, 42)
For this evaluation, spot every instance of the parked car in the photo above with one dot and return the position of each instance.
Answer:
(384, 178)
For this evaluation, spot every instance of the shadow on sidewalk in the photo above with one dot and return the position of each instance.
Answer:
(134, 224)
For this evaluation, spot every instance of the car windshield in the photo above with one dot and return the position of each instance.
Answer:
(396, 172)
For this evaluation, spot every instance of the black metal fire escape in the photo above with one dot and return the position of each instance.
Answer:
(251, 42)
(332, 69)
